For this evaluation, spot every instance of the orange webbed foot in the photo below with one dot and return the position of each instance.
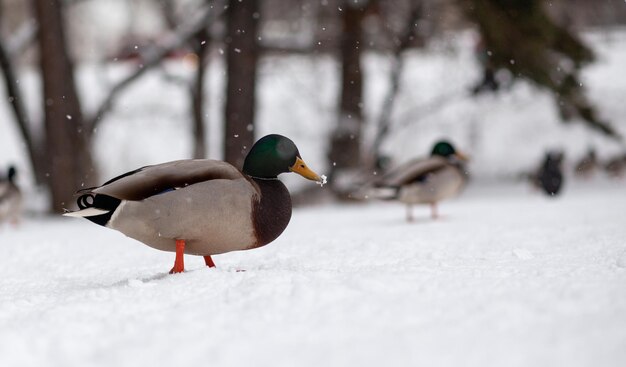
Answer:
(179, 263)
(209, 261)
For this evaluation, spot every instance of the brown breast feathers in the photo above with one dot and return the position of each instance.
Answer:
(272, 213)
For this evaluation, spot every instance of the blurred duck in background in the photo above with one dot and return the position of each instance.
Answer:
(586, 167)
(10, 198)
(424, 181)
(549, 176)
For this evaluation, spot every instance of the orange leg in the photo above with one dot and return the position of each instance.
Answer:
(409, 213)
(433, 211)
(209, 262)
(179, 263)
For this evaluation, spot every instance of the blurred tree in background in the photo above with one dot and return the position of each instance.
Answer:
(61, 157)
(533, 39)
(345, 142)
(200, 46)
(67, 143)
(520, 36)
(241, 60)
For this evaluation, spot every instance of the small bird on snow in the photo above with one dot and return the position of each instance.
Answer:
(201, 207)
(10, 198)
(550, 176)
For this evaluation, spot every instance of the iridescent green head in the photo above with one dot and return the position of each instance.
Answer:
(445, 149)
(275, 154)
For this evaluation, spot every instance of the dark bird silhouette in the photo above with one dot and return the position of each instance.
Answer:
(10, 198)
(550, 174)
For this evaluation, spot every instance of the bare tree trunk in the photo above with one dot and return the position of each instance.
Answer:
(241, 59)
(198, 100)
(70, 165)
(345, 145)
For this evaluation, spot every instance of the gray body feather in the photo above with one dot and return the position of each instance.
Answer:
(424, 181)
(207, 203)
(209, 223)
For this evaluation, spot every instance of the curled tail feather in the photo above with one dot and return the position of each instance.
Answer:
(97, 208)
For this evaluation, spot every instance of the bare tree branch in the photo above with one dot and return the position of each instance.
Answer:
(167, 7)
(384, 120)
(23, 37)
(17, 105)
(155, 55)
(268, 47)
(73, 2)
(410, 116)
(199, 44)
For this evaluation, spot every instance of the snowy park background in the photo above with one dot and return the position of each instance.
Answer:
(507, 277)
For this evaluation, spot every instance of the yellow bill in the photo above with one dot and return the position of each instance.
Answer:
(462, 156)
(301, 168)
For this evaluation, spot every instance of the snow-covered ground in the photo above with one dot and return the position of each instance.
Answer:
(508, 277)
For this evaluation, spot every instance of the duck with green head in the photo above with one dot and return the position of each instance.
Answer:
(426, 180)
(201, 207)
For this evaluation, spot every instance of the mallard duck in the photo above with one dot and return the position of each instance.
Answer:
(425, 181)
(549, 177)
(201, 207)
(10, 198)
